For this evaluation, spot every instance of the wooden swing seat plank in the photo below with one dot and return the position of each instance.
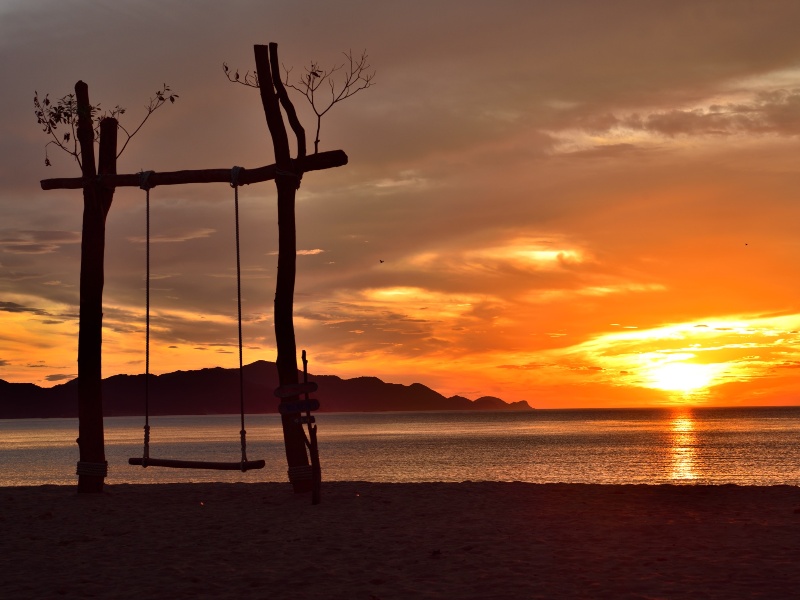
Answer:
(198, 464)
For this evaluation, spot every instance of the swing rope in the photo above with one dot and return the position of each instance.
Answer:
(145, 461)
(143, 184)
(235, 185)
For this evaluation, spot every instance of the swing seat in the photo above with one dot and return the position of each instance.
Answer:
(198, 464)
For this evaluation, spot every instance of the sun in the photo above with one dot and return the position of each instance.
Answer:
(682, 376)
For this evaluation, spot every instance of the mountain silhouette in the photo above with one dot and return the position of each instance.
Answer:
(216, 391)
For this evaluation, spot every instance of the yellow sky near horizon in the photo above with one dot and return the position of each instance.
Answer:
(576, 205)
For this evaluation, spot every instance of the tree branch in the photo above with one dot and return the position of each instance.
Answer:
(356, 78)
(249, 79)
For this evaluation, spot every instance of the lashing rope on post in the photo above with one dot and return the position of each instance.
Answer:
(298, 177)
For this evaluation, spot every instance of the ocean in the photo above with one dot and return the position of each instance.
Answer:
(744, 446)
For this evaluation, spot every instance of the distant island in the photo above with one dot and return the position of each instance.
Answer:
(216, 391)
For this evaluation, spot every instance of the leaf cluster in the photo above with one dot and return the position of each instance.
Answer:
(64, 113)
(249, 79)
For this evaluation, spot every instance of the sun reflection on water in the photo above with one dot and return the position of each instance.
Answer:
(683, 447)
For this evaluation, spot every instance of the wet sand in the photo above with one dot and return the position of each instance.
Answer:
(408, 541)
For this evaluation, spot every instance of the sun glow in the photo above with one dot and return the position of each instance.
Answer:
(682, 376)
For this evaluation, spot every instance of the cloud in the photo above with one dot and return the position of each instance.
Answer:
(17, 276)
(60, 377)
(741, 347)
(176, 237)
(610, 151)
(525, 367)
(13, 307)
(36, 242)
(404, 181)
(775, 112)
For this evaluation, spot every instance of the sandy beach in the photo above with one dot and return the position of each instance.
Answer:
(386, 541)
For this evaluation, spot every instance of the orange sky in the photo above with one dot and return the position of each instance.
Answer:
(577, 203)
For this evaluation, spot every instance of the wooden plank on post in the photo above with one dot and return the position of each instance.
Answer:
(298, 406)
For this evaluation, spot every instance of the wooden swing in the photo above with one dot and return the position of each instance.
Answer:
(98, 182)
(146, 460)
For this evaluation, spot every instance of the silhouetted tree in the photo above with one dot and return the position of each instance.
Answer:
(341, 81)
(64, 111)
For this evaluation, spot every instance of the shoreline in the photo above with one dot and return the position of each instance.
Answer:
(401, 540)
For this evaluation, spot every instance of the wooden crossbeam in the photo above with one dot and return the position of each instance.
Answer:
(314, 162)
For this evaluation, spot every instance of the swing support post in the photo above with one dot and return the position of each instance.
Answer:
(273, 96)
(92, 466)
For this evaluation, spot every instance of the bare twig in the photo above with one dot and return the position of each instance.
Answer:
(161, 97)
(356, 77)
(353, 76)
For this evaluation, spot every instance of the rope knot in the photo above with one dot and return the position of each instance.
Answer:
(144, 176)
(235, 171)
(298, 177)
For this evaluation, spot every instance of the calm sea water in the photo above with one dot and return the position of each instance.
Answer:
(752, 446)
